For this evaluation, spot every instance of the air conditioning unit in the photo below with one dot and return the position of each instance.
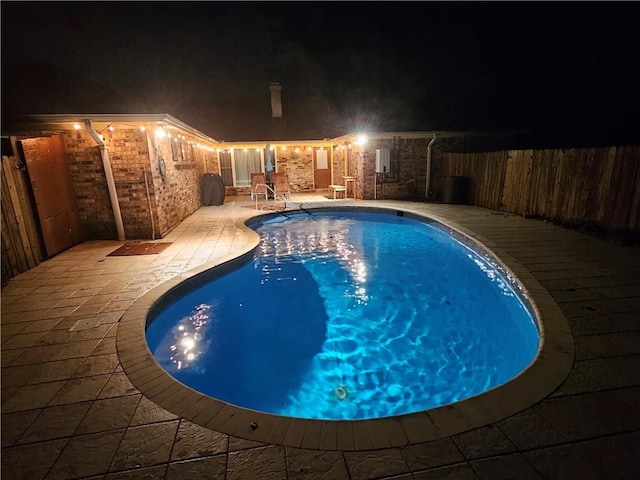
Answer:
(383, 160)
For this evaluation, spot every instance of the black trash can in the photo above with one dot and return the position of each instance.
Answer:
(456, 190)
(212, 189)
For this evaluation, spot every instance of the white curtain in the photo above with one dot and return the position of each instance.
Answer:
(246, 161)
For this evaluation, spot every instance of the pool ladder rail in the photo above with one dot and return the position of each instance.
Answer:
(276, 196)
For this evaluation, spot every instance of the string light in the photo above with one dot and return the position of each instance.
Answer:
(160, 131)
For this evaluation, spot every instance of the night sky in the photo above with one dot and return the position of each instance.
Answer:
(560, 70)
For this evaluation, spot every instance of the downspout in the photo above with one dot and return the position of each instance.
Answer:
(428, 181)
(111, 183)
(146, 184)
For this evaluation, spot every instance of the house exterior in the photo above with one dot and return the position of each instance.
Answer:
(133, 177)
(130, 176)
(71, 178)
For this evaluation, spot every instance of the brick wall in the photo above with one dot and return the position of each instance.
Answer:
(357, 168)
(177, 194)
(129, 156)
(132, 153)
(339, 164)
(90, 186)
(297, 162)
(408, 169)
(407, 180)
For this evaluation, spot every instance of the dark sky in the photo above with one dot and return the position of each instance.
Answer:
(551, 67)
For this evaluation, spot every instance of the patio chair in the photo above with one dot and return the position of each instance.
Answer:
(258, 185)
(281, 184)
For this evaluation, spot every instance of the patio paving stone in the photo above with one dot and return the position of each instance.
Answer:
(315, 465)
(55, 422)
(56, 370)
(483, 442)
(86, 455)
(145, 445)
(266, 463)
(79, 390)
(149, 473)
(70, 411)
(195, 441)
(109, 414)
(236, 444)
(213, 468)
(610, 458)
(31, 462)
(528, 430)
(505, 467)
(15, 424)
(375, 464)
(32, 396)
(148, 412)
(97, 365)
(432, 454)
(461, 471)
(118, 385)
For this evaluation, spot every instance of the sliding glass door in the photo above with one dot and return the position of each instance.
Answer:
(245, 162)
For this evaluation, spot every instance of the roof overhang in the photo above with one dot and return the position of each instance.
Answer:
(56, 123)
(47, 124)
(348, 139)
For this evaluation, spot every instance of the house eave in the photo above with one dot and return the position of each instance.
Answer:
(328, 142)
(65, 122)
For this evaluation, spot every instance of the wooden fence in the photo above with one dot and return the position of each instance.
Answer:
(21, 244)
(592, 187)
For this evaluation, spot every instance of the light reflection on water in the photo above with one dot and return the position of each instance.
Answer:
(186, 341)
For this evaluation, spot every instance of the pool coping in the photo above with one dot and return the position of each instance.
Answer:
(546, 373)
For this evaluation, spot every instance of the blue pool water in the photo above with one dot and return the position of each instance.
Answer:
(348, 315)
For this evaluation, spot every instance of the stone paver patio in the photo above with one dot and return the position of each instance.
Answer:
(70, 411)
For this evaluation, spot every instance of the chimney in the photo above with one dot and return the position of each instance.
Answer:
(276, 101)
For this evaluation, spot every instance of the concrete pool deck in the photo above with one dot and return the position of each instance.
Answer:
(70, 411)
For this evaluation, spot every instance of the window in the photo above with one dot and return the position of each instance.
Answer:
(176, 151)
(226, 169)
(187, 152)
(245, 162)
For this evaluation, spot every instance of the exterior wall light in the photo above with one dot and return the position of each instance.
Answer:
(361, 140)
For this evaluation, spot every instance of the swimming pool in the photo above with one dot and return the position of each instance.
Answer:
(331, 321)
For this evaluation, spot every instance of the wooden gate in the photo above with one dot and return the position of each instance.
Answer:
(22, 246)
(53, 193)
